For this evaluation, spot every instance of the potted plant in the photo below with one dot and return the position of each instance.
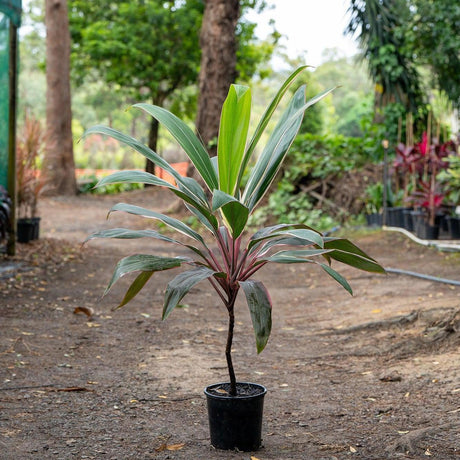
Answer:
(450, 180)
(28, 149)
(230, 262)
(373, 203)
(5, 213)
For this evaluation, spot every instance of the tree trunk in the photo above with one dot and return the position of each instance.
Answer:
(153, 140)
(58, 171)
(218, 65)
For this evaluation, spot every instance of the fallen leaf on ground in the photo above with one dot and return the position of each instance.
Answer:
(165, 446)
(93, 325)
(175, 446)
(86, 310)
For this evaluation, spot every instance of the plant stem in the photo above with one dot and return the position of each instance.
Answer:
(223, 251)
(251, 270)
(216, 287)
(228, 348)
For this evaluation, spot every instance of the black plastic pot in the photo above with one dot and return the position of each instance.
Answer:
(395, 217)
(418, 218)
(425, 231)
(24, 230)
(235, 422)
(36, 227)
(374, 219)
(453, 224)
(408, 221)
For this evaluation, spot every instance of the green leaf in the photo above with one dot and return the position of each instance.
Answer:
(356, 261)
(344, 245)
(348, 253)
(170, 221)
(296, 256)
(338, 277)
(260, 308)
(147, 153)
(136, 145)
(235, 213)
(208, 220)
(279, 231)
(135, 288)
(269, 162)
(189, 191)
(133, 177)
(233, 131)
(181, 284)
(145, 263)
(187, 140)
(278, 241)
(126, 233)
(309, 236)
(266, 117)
(277, 147)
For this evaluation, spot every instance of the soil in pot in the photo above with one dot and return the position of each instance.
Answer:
(235, 422)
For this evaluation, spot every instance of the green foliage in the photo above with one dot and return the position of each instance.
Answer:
(434, 35)
(233, 258)
(450, 179)
(318, 157)
(312, 158)
(353, 98)
(374, 198)
(285, 205)
(149, 48)
(381, 29)
(88, 184)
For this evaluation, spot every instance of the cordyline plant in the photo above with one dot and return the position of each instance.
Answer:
(231, 262)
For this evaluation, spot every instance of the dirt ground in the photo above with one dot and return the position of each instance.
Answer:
(374, 376)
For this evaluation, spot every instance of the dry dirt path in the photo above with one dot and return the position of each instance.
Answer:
(373, 376)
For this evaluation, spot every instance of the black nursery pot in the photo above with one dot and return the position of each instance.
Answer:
(235, 422)
(427, 232)
(374, 219)
(25, 230)
(36, 227)
(453, 224)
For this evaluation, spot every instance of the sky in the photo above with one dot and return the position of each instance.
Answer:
(309, 26)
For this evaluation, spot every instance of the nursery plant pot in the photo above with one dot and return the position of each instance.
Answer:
(425, 231)
(453, 224)
(408, 220)
(395, 217)
(24, 230)
(418, 218)
(235, 422)
(374, 219)
(36, 228)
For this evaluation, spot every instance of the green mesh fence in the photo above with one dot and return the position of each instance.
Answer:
(4, 96)
(10, 17)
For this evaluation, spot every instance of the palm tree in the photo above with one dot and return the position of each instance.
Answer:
(379, 27)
